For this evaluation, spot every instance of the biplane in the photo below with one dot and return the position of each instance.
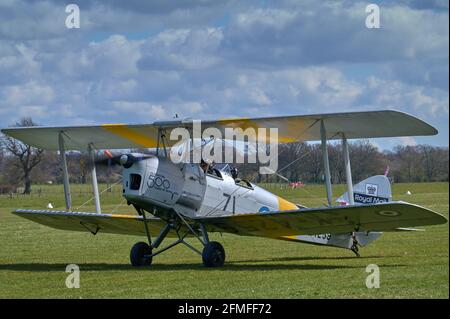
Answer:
(184, 200)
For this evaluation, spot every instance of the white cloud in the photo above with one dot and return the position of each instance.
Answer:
(192, 108)
(182, 49)
(414, 99)
(288, 57)
(145, 111)
(30, 93)
(408, 141)
(114, 57)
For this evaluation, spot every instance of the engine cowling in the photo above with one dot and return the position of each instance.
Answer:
(153, 180)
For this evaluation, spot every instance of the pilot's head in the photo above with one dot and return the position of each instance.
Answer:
(234, 172)
(204, 164)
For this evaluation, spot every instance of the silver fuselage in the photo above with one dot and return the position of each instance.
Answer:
(157, 183)
(164, 189)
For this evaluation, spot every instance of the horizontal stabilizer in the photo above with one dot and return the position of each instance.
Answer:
(336, 240)
(408, 229)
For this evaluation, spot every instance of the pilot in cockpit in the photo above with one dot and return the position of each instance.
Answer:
(204, 166)
(234, 172)
(207, 166)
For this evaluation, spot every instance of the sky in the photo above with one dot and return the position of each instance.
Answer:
(142, 61)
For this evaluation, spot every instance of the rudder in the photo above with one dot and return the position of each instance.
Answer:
(372, 190)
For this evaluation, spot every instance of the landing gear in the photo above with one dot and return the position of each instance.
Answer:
(213, 254)
(141, 255)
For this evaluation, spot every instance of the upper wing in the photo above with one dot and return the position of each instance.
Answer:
(94, 223)
(371, 124)
(344, 219)
(107, 136)
(290, 129)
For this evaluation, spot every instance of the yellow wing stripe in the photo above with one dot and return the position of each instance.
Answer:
(233, 120)
(124, 216)
(284, 204)
(246, 123)
(127, 133)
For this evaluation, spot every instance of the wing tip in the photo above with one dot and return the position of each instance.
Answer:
(431, 130)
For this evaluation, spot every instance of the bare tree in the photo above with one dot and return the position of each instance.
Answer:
(26, 156)
(2, 164)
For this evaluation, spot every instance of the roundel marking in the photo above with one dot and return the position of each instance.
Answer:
(388, 213)
(264, 209)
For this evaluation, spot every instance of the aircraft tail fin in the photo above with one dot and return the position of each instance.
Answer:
(375, 189)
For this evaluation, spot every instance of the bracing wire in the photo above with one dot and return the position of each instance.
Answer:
(92, 198)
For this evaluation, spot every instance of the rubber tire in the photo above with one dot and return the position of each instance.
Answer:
(137, 253)
(213, 254)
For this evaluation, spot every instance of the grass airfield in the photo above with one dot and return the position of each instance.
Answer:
(33, 258)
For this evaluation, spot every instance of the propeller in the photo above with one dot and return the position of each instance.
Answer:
(126, 160)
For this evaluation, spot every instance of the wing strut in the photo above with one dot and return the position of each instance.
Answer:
(94, 179)
(67, 195)
(326, 163)
(348, 170)
(62, 154)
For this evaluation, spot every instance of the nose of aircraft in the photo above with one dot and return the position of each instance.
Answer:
(136, 174)
(123, 159)
(127, 160)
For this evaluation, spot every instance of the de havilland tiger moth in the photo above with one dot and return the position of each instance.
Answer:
(190, 200)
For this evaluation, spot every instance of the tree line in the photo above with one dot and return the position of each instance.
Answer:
(303, 162)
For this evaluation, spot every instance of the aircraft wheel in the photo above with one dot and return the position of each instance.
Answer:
(139, 255)
(213, 254)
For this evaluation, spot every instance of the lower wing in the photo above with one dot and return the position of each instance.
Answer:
(378, 217)
(94, 223)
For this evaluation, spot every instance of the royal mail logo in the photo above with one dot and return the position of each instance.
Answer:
(372, 189)
(368, 199)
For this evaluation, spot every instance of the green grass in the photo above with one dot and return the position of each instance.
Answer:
(33, 258)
